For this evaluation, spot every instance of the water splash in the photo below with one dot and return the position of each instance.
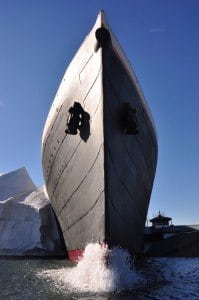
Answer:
(94, 274)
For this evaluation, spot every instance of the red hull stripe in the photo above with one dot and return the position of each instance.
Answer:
(75, 255)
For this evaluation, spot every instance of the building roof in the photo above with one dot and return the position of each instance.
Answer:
(160, 218)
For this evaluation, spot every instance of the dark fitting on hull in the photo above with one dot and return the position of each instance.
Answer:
(103, 37)
(78, 120)
(129, 118)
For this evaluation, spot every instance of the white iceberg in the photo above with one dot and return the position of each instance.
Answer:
(28, 225)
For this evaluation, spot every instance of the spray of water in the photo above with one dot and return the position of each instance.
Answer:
(100, 270)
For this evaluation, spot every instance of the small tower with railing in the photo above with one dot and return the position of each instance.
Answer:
(161, 221)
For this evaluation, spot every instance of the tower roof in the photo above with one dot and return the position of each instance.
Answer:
(160, 218)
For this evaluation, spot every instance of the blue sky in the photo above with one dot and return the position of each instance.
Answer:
(161, 39)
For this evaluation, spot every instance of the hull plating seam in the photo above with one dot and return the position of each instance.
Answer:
(66, 134)
(135, 136)
(65, 204)
(84, 215)
(137, 86)
(116, 96)
(71, 155)
(120, 181)
(56, 184)
(111, 201)
(131, 159)
(85, 67)
(58, 111)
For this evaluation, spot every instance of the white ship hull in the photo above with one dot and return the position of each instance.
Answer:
(98, 170)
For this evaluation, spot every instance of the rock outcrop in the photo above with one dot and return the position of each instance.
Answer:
(28, 226)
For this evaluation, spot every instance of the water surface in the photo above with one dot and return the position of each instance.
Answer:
(152, 278)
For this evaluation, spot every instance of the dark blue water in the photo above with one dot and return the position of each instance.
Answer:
(157, 278)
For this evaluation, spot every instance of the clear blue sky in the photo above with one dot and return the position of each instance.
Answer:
(161, 39)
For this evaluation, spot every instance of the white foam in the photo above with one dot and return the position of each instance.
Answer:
(92, 274)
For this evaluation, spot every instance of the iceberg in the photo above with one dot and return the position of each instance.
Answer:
(28, 226)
